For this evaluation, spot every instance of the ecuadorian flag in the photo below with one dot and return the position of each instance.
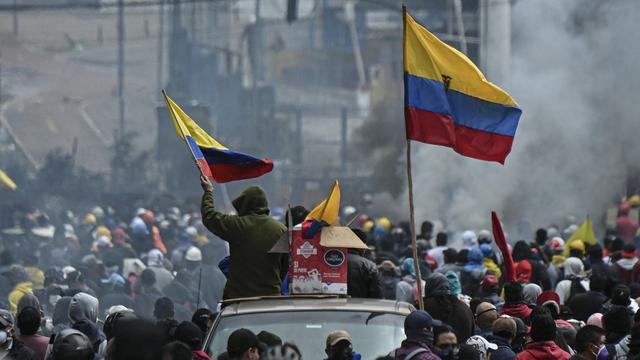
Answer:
(325, 214)
(215, 160)
(449, 102)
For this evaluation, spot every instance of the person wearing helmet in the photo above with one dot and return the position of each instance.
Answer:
(70, 344)
(250, 234)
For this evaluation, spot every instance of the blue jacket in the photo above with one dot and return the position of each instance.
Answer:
(504, 351)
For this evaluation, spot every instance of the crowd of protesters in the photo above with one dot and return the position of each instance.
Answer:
(147, 285)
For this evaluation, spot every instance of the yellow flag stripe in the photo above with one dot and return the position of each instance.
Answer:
(427, 57)
(185, 126)
(329, 209)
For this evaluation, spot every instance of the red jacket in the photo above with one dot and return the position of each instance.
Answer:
(546, 350)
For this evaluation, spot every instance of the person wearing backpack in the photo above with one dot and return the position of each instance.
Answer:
(418, 327)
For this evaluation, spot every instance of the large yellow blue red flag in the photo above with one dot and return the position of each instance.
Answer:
(449, 102)
(215, 160)
(326, 213)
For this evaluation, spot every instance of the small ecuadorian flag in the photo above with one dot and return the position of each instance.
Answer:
(449, 102)
(215, 160)
(325, 214)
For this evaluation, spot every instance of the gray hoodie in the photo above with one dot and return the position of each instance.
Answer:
(83, 307)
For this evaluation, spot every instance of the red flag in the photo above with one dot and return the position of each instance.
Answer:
(501, 242)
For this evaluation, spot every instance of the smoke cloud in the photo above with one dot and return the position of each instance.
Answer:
(575, 75)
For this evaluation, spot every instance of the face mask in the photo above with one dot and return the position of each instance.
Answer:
(446, 352)
(603, 353)
(3, 337)
(428, 338)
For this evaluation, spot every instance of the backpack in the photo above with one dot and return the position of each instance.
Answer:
(389, 284)
(409, 356)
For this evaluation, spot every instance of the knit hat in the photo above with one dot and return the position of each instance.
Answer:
(549, 298)
(190, 334)
(513, 292)
(543, 328)
(629, 251)
(240, 341)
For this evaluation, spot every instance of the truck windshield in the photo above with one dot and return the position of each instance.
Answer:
(374, 334)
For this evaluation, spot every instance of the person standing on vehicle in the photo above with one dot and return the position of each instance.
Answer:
(418, 327)
(250, 234)
(340, 346)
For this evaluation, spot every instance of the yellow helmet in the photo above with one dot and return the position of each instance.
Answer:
(385, 223)
(368, 226)
(103, 231)
(89, 219)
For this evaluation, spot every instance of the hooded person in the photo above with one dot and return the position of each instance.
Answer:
(469, 239)
(407, 290)
(575, 281)
(446, 307)
(251, 235)
(473, 272)
(489, 263)
(83, 314)
(628, 267)
(60, 316)
(514, 302)
(522, 251)
(155, 262)
(530, 293)
(489, 291)
(418, 327)
(22, 285)
(523, 272)
(542, 345)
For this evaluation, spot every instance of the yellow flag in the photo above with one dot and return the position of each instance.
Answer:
(5, 180)
(185, 126)
(328, 209)
(584, 233)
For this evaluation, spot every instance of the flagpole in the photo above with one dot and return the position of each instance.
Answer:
(414, 245)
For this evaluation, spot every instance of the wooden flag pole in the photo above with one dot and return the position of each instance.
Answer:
(414, 244)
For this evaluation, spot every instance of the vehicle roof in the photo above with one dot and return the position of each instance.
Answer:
(289, 304)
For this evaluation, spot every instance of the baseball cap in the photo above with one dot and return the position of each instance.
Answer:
(505, 325)
(337, 336)
(241, 340)
(417, 321)
(481, 344)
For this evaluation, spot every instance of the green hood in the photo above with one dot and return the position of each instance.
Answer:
(252, 201)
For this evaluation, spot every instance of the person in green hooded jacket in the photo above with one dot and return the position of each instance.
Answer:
(250, 234)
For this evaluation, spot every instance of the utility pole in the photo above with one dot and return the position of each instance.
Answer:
(121, 36)
(160, 48)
